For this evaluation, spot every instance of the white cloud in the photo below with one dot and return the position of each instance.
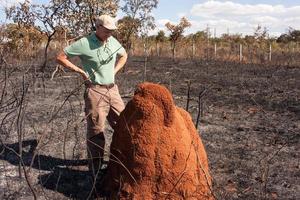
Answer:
(220, 26)
(241, 18)
(224, 16)
(160, 25)
(162, 22)
(265, 20)
(228, 8)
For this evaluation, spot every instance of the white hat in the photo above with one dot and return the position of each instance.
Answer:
(106, 21)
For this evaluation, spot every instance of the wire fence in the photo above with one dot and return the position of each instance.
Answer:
(273, 53)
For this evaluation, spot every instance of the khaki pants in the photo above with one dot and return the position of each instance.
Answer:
(101, 103)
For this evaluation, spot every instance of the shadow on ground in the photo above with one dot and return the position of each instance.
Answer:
(72, 183)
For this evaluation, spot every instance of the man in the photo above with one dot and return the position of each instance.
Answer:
(98, 54)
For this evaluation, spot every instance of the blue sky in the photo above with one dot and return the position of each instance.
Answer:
(235, 16)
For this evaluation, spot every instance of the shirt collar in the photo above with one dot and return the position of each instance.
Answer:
(95, 39)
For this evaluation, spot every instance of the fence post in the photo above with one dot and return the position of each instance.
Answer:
(145, 60)
(270, 53)
(241, 52)
(157, 49)
(193, 48)
(215, 50)
(207, 48)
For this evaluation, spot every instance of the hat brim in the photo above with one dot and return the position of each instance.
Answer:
(112, 27)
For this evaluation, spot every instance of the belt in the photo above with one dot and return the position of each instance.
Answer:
(107, 86)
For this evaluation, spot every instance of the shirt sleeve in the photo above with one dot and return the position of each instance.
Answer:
(120, 50)
(75, 49)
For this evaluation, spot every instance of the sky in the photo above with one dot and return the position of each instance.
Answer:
(230, 16)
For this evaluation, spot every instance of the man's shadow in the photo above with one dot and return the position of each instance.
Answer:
(75, 184)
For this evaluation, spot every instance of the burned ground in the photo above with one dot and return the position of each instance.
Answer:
(250, 126)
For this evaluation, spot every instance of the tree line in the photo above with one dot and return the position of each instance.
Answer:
(62, 20)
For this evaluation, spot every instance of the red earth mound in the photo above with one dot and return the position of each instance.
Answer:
(156, 151)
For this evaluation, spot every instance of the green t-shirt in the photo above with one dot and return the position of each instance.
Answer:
(98, 59)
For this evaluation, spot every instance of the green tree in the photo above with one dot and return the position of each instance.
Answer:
(22, 40)
(127, 31)
(29, 15)
(159, 38)
(177, 32)
(261, 37)
(78, 16)
(139, 12)
(292, 35)
(200, 36)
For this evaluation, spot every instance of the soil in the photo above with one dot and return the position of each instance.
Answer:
(249, 124)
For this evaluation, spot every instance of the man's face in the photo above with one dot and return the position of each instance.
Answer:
(103, 33)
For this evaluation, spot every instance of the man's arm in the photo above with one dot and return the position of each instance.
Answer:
(64, 61)
(121, 62)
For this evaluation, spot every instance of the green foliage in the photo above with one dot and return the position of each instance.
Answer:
(235, 38)
(292, 35)
(249, 39)
(127, 30)
(177, 30)
(24, 14)
(77, 15)
(74, 16)
(138, 12)
(141, 10)
(200, 35)
(160, 37)
(260, 33)
(22, 39)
